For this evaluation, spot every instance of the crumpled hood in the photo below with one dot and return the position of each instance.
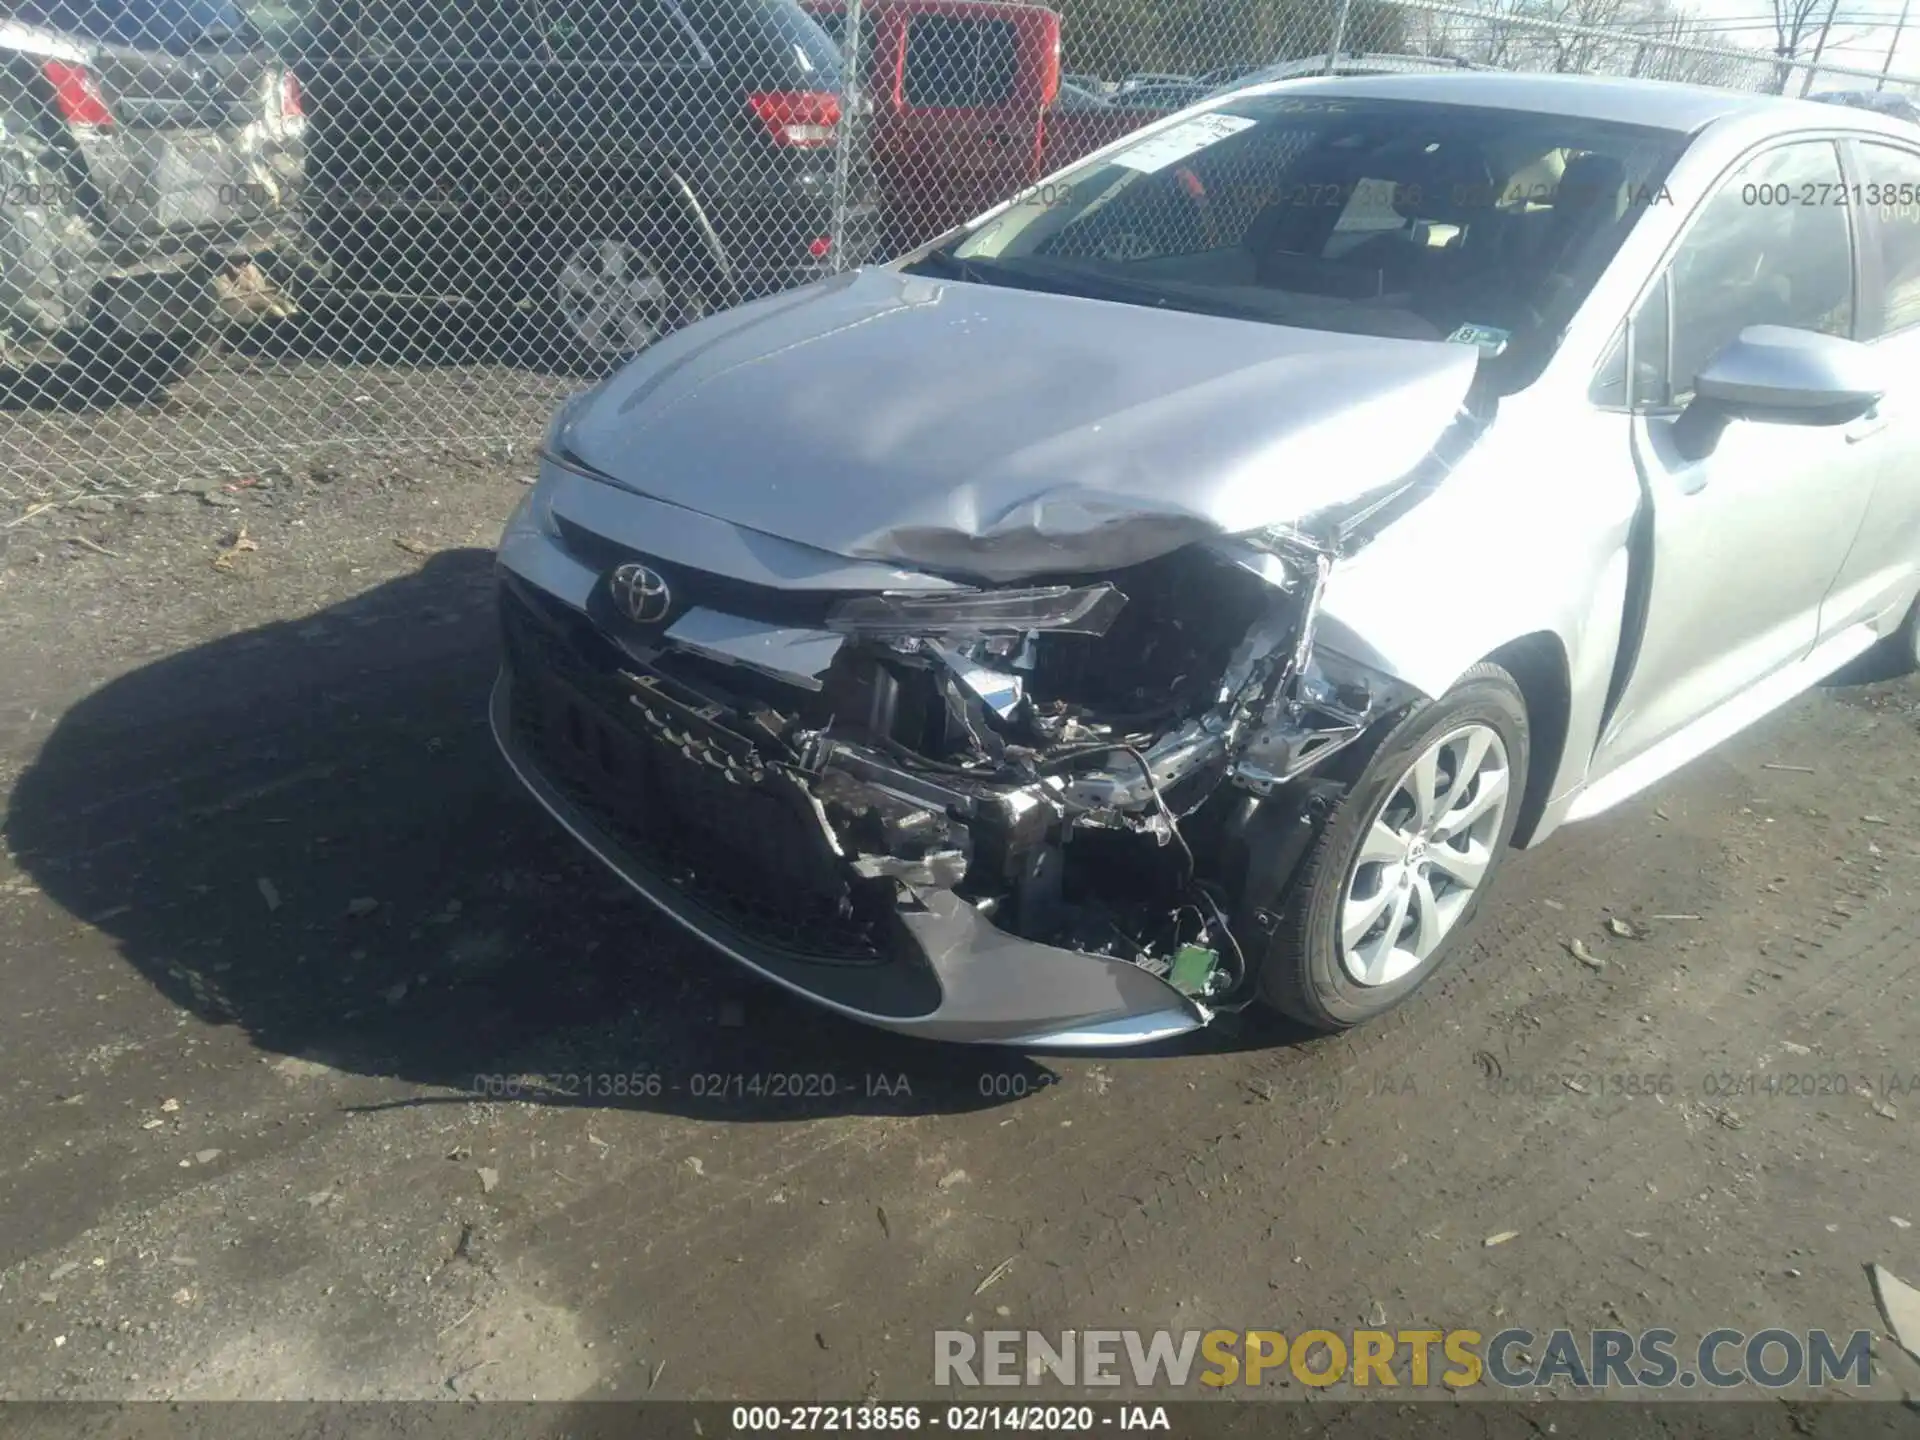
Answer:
(1003, 433)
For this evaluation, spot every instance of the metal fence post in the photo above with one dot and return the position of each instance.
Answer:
(1339, 35)
(852, 104)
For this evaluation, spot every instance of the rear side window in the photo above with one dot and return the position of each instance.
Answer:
(649, 31)
(154, 24)
(773, 44)
(431, 29)
(1890, 190)
(959, 63)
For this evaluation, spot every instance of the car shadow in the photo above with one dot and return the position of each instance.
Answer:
(303, 830)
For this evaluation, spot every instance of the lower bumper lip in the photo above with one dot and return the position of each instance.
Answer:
(994, 988)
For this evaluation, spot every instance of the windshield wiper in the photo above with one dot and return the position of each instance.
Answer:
(946, 263)
(1158, 295)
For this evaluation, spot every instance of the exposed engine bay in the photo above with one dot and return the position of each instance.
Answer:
(1083, 762)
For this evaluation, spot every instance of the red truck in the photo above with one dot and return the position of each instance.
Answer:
(962, 109)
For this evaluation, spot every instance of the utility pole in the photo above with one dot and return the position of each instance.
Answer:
(1893, 45)
(1826, 28)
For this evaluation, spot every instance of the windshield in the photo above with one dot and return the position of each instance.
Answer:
(1410, 219)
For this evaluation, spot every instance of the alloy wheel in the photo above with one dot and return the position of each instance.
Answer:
(1423, 855)
(613, 299)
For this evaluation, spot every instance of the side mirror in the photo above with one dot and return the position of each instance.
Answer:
(1778, 376)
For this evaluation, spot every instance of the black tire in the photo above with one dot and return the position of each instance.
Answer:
(1300, 972)
(1896, 654)
(664, 252)
(110, 365)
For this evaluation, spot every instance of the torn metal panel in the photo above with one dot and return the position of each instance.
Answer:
(1332, 703)
(797, 655)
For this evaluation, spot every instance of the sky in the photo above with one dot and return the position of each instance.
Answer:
(1862, 30)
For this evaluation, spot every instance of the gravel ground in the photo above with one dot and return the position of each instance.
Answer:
(275, 927)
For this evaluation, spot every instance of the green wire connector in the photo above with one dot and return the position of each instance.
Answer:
(1193, 967)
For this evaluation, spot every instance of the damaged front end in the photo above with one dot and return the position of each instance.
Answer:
(1053, 814)
(1107, 740)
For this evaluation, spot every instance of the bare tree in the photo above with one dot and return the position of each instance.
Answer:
(1794, 25)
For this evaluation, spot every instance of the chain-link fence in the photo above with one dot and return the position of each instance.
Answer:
(238, 238)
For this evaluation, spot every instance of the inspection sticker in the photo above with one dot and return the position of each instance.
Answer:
(1181, 141)
(1487, 338)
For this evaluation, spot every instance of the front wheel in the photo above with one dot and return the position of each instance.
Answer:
(1393, 881)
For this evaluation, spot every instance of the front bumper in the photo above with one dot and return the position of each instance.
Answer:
(947, 972)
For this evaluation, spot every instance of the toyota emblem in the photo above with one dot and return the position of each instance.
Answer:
(641, 594)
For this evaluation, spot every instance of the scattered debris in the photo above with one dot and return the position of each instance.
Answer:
(697, 1165)
(1793, 1047)
(1621, 928)
(153, 1124)
(394, 994)
(1574, 1085)
(880, 1213)
(1586, 957)
(60, 1272)
(1899, 1305)
(1899, 1223)
(412, 547)
(1502, 1238)
(453, 1380)
(206, 1157)
(170, 1106)
(995, 1275)
(488, 1179)
(322, 1197)
(240, 544)
(96, 547)
(362, 906)
(1884, 1110)
(951, 1179)
(1797, 769)
(269, 892)
(656, 1376)
(29, 514)
(1873, 820)
(1553, 904)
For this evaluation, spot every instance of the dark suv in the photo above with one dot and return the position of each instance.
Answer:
(151, 157)
(612, 168)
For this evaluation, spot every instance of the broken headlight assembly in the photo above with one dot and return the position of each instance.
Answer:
(1058, 609)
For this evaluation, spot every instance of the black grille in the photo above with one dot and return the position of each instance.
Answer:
(748, 852)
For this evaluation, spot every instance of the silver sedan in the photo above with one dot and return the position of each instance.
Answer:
(1182, 586)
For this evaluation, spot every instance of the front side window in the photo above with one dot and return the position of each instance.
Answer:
(1772, 246)
(1404, 218)
(1890, 190)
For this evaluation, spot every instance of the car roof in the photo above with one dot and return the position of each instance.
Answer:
(1662, 104)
